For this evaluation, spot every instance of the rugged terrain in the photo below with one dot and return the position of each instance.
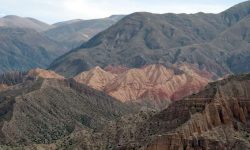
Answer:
(213, 41)
(21, 22)
(144, 83)
(215, 118)
(156, 85)
(43, 109)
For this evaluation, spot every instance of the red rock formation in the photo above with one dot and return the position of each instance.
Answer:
(47, 74)
(155, 82)
(216, 118)
(96, 78)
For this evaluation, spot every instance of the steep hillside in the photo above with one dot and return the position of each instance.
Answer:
(215, 118)
(96, 78)
(145, 38)
(44, 110)
(73, 33)
(23, 49)
(20, 22)
(236, 13)
(227, 53)
(153, 83)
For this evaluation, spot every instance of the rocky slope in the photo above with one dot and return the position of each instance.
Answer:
(73, 33)
(44, 110)
(145, 38)
(96, 78)
(215, 118)
(152, 83)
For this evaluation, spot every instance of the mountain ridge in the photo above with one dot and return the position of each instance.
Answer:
(30, 110)
(145, 38)
(74, 32)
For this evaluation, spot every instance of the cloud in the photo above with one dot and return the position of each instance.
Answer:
(59, 10)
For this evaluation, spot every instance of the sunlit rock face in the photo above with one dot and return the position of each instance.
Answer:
(152, 82)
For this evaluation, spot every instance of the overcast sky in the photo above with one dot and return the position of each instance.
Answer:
(52, 11)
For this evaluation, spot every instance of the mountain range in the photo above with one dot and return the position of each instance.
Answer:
(22, 49)
(215, 42)
(143, 81)
(27, 43)
(75, 32)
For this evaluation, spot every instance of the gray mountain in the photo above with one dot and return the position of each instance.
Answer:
(28, 43)
(145, 38)
(22, 49)
(21, 22)
(74, 32)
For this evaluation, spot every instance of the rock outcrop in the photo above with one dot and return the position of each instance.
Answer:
(153, 82)
(96, 78)
(215, 118)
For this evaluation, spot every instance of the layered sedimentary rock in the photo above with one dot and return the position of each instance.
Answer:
(153, 82)
(96, 78)
(216, 118)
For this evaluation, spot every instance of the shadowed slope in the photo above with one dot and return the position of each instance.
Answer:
(44, 110)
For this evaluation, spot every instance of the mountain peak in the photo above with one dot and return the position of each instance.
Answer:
(11, 17)
(12, 21)
(96, 78)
